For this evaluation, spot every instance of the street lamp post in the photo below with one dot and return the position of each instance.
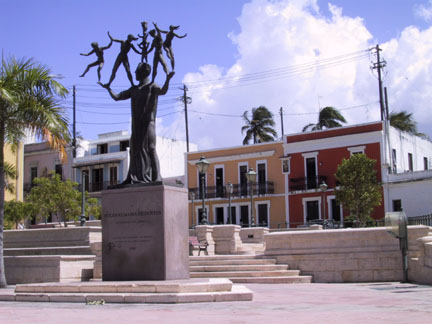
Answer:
(251, 178)
(323, 187)
(202, 166)
(83, 216)
(229, 190)
(192, 195)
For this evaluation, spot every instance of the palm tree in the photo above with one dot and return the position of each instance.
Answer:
(260, 128)
(28, 101)
(329, 117)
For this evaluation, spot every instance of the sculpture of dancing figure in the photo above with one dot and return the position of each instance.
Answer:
(167, 44)
(122, 57)
(144, 163)
(157, 45)
(144, 45)
(100, 58)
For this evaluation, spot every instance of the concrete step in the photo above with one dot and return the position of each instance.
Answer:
(250, 248)
(225, 257)
(225, 268)
(232, 262)
(172, 291)
(273, 280)
(234, 274)
(60, 250)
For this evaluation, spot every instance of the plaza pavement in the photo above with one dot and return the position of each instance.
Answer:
(281, 303)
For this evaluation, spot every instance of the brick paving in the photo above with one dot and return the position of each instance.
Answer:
(281, 303)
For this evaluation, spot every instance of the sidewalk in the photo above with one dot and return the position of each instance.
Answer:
(281, 303)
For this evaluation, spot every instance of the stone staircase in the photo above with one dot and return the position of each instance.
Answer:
(244, 269)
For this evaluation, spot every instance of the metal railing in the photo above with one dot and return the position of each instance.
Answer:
(420, 220)
(306, 183)
(99, 186)
(239, 190)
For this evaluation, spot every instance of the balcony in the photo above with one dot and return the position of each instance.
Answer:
(99, 186)
(261, 189)
(306, 183)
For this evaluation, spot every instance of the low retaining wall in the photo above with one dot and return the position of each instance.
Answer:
(346, 255)
(51, 237)
(253, 234)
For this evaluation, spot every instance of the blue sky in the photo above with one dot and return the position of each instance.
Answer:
(230, 39)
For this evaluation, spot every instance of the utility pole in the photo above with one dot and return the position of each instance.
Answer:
(281, 114)
(74, 122)
(380, 65)
(186, 100)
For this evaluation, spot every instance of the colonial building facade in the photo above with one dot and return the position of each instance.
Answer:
(288, 191)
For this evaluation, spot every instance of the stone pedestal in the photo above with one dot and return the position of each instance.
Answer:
(227, 238)
(145, 233)
(205, 233)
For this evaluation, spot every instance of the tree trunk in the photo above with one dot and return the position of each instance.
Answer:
(3, 282)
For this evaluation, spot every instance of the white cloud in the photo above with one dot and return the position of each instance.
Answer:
(424, 11)
(291, 40)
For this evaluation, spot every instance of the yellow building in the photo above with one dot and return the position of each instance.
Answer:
(231, 165)
(16, 158)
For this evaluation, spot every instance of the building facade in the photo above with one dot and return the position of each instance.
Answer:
(231, 165)
(15, 157)
(288, 191)
(105, 162)
(40, 160)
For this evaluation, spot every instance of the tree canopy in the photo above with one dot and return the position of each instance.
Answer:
(405, 122)
(260, 128)
(29, 100)
(52, 196)
(329, 117)
(359, 190)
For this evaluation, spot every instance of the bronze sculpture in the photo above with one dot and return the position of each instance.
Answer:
(144, 163)
(122, 57)
(100, 58)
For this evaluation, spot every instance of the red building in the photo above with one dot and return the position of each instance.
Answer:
(314, 158)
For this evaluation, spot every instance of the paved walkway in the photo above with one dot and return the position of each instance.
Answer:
(282, 303)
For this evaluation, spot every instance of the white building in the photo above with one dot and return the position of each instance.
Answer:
(407, 184)
(106, 160)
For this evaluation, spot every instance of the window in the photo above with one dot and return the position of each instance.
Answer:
(102, 148)
(262, 178)
(425, 163)
(244, 215)
(33, 174)
(113, 175)
(219, 182)
(262, 215)
(243, 180)
(219, 215)
(397, 205)
(59, 170)
(357, 149)
(124, 145)
(97, 179)
(394, 165)
(312, 210)
(233, 215)
(285, 166)
(311, 175)
(335, 210)
(410, 162)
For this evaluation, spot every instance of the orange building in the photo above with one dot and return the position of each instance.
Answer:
(231, 165)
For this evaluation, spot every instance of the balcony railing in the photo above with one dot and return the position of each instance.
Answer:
(239, 190)
(303, 184)
(99, 186)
